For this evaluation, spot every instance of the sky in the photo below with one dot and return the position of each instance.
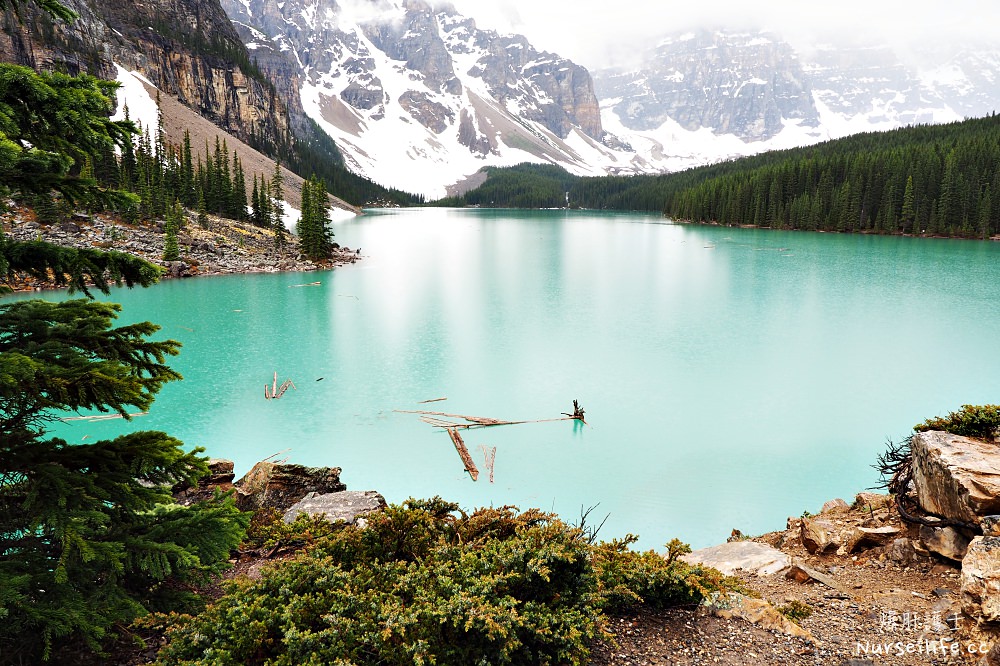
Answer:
(597, 33)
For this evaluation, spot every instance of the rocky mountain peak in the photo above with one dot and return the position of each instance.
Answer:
(746, 84)
(402, 81)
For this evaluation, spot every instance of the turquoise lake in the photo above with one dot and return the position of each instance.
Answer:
(731, 377)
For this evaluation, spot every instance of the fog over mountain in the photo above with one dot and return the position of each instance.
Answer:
(596, 36)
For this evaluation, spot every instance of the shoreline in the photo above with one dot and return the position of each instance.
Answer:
(225, 247)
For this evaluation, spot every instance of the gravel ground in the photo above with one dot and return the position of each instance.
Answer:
(883, 613)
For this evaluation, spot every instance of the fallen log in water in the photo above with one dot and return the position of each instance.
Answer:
(463, 453)
(100, 417)
(472, 421)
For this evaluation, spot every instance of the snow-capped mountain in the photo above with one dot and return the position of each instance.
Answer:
(703, 96)
(418, 97)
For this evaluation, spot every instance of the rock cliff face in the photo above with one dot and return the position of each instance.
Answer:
(745, 84)
(186, 48)
(399, 82)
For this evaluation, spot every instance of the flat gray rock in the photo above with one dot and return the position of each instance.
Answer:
(750, 556)
(346, 505)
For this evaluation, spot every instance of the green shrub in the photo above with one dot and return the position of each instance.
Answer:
(796, 610)
(424, 583)
(626, 578)
(268, 529)
(980, 421)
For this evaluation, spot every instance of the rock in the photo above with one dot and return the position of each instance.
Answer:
(817, 535)
(280, 485)
(873, 500)
(346, 505)
(861, 538)
(220, 477)
(991, 658)
(902, 552)
(980, 579)
(801, 573)
(177, 268)
(749, 556)
(945, 541)
(956, 477)
(69, 228)
(755, 611)
(835, 506)
(990, 525)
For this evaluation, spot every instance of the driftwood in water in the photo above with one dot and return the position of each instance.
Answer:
(577, 413)
(100, 417)
(276, 391)
(463, 452)
(471, 421)
(490, 458)
(424, 402)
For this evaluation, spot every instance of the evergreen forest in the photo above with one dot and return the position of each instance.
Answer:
(934, 180)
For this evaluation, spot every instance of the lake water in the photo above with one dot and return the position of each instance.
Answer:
(731, 377)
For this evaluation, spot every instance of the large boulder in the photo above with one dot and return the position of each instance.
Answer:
(862, 538)
(981, 579)
(956, 477)
(280, 485)
(749, 556)
(347, 505)
(818, 536)
(945, 541)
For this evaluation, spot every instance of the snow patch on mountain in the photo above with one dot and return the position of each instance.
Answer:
(142, 108)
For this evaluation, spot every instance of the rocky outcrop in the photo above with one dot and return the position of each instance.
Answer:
(956, 477)
(186, 48)
(349, 506)
(281, 485)
(220, 477)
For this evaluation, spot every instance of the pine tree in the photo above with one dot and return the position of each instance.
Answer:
(277, 208)
(89, 534)
(202, 212)
(255, 203)
(239, 191)
(303, 227)
(174, 221)
(188, 195)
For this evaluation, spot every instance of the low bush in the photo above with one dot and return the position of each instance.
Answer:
(425, 583)
(979, 421)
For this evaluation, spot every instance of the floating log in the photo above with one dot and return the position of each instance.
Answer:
(424, 402)
(463, 452)
(100, 417)
(308, 284)
(472, 421)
